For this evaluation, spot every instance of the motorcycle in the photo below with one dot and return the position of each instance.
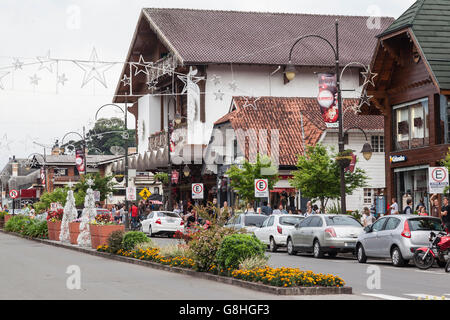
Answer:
(437, 249)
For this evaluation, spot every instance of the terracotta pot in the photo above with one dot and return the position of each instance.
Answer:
(100, 234)
(7, 217)
(74, 231)
(54, 228)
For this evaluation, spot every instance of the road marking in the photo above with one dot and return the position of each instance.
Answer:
(431, 272)
(426, 296)
(384, 296)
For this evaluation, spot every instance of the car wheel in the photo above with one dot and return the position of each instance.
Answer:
(150, 232)
(361, 254)
(317, 249)
(290, 247)
(397, 258)
(273, 246)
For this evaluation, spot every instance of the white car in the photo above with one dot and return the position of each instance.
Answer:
(274, 231)
(162, 222)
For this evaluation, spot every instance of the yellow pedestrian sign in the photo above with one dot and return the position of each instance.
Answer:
(145, 193)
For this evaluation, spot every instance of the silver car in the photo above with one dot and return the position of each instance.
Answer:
(324, 233)
(396, 237)
(250, 222)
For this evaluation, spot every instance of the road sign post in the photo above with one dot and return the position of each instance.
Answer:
(197, 191)
(261, 188)
(438, 180)
(145, 193)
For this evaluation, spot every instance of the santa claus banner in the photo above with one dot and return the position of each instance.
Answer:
(328, 99)
(79, 161)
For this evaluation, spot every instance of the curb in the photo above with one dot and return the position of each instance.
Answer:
(202, 275)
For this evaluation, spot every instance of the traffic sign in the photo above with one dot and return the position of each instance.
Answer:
(145, 193)
(438, 179)
(261, 188)
(197, 191)
(14, 194)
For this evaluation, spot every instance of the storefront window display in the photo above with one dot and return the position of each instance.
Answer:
(412, 183)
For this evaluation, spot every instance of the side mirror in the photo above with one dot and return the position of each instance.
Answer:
(297, 226)
(368, 229)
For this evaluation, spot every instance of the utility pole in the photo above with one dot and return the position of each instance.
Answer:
(127, 222)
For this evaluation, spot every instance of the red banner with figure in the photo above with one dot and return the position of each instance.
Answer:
(327, 99)
(79, 161)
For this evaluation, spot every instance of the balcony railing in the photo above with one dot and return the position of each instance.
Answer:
(164, 66)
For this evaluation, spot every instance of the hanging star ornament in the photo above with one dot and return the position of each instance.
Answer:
(2, 75)
(369, 77)
(141, 66)
(94, 69)
(365, 99)
(62, 79)
(216, 79)
(46, 62)
(126, 80)
(152, 84)
(34, 80)
(233, 85)
(219, 95)
(17, 64)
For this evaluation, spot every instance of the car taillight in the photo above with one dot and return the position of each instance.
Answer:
(331, 232)
(158, 221)
(182, 223)
(406, 232)
(280, 231)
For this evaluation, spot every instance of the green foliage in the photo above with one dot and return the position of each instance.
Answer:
(59, 195)
(17, 223)
(162, 176)
(335, 208)
(132, 238)
(243, 180)
(205, 244)
(103, 184)
(115, 241)
(237, 247)
(3, 214)
(318, 176)
(255, 262)
(36, 229)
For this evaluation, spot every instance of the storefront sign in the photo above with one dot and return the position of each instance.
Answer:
(438, 180)
(397, 159)
(261, 188)
(327, 99)
(197, 191)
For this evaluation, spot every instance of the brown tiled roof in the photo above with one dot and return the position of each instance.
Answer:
(284, 114)
(206, 36)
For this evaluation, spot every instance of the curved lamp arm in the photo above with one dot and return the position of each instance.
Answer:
(106, 105)
(312, 36)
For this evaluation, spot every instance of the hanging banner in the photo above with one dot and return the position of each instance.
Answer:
(79, 161)
(43, 177)
(175, 176)
(327, 99)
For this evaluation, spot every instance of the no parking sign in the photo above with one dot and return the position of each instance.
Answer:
(197, 191)
(261, 188)
(14, 194)
(438, 180)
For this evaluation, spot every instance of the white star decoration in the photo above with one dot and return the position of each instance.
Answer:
(141, 66)
(90, 183)
(248, 104)
(233, 85)
(216, 79)
(369, 77)
(94, 69)
(365, 99)
(219, 95)
(2, 75)
(152, 84)
(46, 62)
(34, 80)
(62, 78)
(126, 80)
(17, 64)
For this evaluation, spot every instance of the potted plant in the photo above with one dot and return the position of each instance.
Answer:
(54, 219)
(2, 218)
(74, 230)
(344, 158)
(101, 228)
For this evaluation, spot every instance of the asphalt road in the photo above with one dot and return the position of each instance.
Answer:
(394, 283)
(31, 270)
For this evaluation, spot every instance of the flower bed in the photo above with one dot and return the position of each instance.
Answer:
(101, 228)
(278, 277)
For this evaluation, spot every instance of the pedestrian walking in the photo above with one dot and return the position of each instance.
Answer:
(266, 209)
(249, 209)
(134, 214)
(315, 209)
(422, 211)
(434, 206)
(367, 218)
(394, 207)
(421, 204)
(408, 208)
(445, 214)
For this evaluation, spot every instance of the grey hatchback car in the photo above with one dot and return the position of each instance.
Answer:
(396, 237)
(324, 233)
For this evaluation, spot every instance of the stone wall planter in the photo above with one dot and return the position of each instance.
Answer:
(54, 228)
(74, 231)
(100, 234)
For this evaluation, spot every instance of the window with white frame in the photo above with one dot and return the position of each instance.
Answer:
(368, 196)
(377, 143)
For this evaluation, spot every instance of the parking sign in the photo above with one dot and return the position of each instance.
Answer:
(438, 179)
(197, 191)
(261, 188)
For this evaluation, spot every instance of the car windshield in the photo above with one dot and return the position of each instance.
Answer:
(342, 221)
(290, 221)
(168, 214)
(423, 224)
(254, 221)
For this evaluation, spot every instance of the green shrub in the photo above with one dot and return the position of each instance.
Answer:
(17, 223)
(236, 248)
(36, 229)
(205, 244)
(132, 238)
(256, 262)
(115, 241)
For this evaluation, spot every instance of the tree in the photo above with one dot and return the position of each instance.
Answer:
(243, 179)
(58, 195)
(103, 184)
(318, 176)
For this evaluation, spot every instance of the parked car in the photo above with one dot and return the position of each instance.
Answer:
(396, 237)
(162, 222)
(250, 222)
(275, 230)
(324, 233)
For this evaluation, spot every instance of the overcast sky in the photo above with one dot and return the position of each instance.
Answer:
(70, 30)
